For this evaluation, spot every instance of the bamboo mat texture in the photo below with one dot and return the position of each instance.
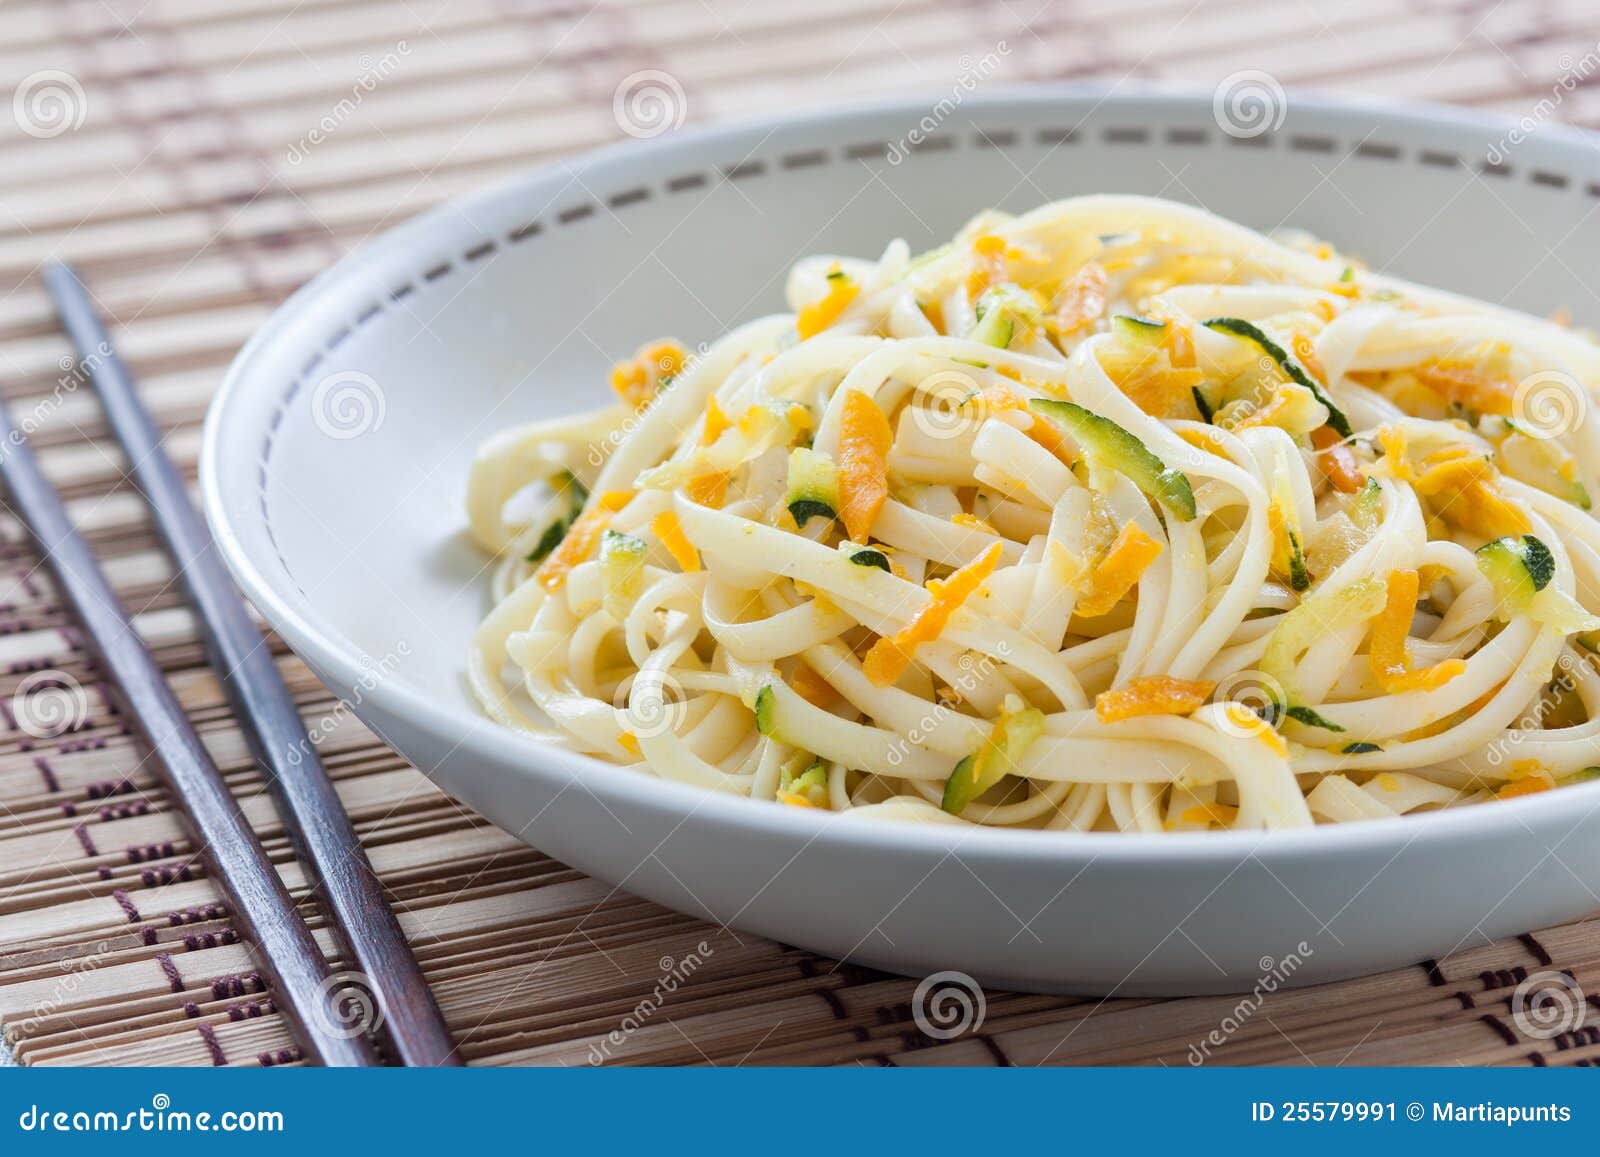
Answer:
(199, 159)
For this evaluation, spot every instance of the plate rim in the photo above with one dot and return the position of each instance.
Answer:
(475, 735)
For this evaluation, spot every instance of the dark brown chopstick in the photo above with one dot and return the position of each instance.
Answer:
(233, 856)
(342, 877)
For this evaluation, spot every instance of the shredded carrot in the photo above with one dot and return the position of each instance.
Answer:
(1210, 813)
(754, 420)
(716, 422)
(1429, 574)
(1448, 453)
(1472, 385)
(1387, 657)
(864, 441)
(1439, 726)
(989, 268)
(1161, 378)
(1266, 415)
(1392, 440)
(1342, 289)
(1116, 573)
(1082, 299)
(1337, 460)
(999, 399)
(1465, 490)
(1205, 440)
(1157, 389)
(669, 532)
(629, 743)
(1179, 345)
(707, 489)
(630, 382)
(812, 687)
(1282, 546)
(971, 522)
(819, 315)
(638, 380)
(1152, 695)
(1531, 785)
(580, 539)
(891, 655)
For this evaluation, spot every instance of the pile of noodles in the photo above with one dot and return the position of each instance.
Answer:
(1318, 641)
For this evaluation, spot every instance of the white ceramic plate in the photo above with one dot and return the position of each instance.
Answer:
(336, 453)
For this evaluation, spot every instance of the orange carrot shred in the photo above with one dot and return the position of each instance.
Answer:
(1531, 785)
(819, 315)
(1220, 814)
(1337, 460)
(989, 267)
(707, 489)
(1387, 657)
(1179, 345)
(999, 399)
(812, 687)
(1152, 695)
(580, 539)
(636, 381)
(1467, 493)
(1083, 299)
(891, 655)
(1115, 574)
(864, 441)
(1470, 385)
(716, 422)
(669, 532)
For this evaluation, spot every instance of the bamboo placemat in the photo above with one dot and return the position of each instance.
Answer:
(175, 168)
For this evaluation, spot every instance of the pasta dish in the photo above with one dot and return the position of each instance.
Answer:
(1110, 516)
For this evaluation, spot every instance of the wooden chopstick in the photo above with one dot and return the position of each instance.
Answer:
(233, 856)
(341, 876)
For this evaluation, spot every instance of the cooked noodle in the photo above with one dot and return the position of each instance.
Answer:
(1112, 516)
